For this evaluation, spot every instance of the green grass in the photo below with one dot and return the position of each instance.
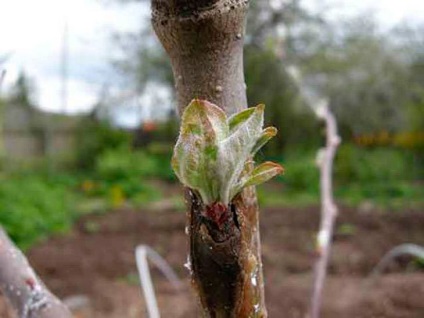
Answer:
(386, 177)
(33, 207)
(385, 196)
(35, 204)
(393, 195)
(277, 198)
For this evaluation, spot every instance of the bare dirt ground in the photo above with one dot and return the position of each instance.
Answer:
(97, 260)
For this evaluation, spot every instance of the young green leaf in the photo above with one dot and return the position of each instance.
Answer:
(263, 173)
(235, 150)
(260, 174)
(195, 155)
(266, 135)
(235, 120)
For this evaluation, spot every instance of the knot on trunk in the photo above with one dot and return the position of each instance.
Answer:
(166, 9)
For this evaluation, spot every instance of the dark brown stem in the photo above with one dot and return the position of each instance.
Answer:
(21, 286)
(204, 40)
(226, 268)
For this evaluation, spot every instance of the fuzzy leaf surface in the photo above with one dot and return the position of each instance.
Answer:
(236, 149)
(266, 135)
(195, 153)
(212, 152)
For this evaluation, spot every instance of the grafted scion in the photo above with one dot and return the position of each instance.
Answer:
(215, 259)
(203, 39)
(213, 159)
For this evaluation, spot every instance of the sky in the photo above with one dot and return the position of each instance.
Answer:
(32, 33)
(387, 12)
(32, 36)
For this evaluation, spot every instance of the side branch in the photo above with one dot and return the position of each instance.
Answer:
(328, 208)
(21, 286)
(325, 160)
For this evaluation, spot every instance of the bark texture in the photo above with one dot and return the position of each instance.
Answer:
(21, 286)
(204, 40)
(225, 261)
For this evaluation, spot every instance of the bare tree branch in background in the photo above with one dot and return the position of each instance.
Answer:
(325, 160)
(22, 287)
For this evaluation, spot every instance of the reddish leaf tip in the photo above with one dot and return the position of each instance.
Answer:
(276, 166)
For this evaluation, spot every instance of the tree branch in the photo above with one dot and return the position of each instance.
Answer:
(21, 286)
(325, 160)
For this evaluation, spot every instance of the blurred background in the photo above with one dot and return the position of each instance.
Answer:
(88, 123)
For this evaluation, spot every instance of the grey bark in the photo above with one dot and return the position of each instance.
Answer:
(328, 207)
(204, 40)
(22, 287)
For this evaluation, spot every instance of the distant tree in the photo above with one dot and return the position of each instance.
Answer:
(22, 91)
(268, 83)
(364, 76)
(372, 77)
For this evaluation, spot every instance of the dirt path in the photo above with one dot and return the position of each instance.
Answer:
(97, 260)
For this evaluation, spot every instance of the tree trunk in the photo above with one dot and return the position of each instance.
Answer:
(204, 40)
(18, 282)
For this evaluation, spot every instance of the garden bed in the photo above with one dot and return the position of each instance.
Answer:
(97, 260)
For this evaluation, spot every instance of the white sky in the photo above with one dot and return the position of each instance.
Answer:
(387, 12)
(31, 32)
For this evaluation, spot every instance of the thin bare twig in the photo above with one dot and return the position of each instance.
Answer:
(141, 253)
(325, 160)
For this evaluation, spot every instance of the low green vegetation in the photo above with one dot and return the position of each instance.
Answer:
(384, 177)
(34, 206)
(37, 202)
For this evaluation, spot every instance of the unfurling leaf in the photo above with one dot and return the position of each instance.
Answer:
(212, 151)
(263, 173)
(266, 135)
(235, 150)
(260, 174)
(235, 120)
(195, 153)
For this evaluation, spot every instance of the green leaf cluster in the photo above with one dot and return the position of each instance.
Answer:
(213, 151)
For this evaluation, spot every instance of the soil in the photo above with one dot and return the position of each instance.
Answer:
(96, 261)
